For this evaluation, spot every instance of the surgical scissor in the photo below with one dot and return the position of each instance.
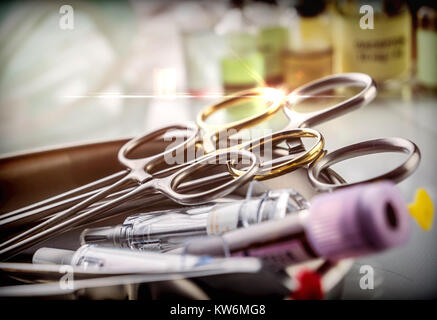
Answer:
(392, 144)
(167, 180)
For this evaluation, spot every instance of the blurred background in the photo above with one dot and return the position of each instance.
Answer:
(95, 70)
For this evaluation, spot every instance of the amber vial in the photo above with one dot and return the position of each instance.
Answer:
(309, 54)
(303, 67)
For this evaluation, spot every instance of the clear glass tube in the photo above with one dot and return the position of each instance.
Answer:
(166, 230)
(426, 35)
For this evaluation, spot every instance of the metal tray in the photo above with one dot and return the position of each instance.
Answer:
(29, 177)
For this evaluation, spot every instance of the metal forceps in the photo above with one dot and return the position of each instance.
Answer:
(208, 141)
(138, 172)
(54, 204)
(72, 197)
(164, 181)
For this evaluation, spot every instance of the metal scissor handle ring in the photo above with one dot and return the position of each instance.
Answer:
(170, 188)
(365, 148)
(335, 80)
(288, 165)
(139, 164)
(367, 94)
(276, 97)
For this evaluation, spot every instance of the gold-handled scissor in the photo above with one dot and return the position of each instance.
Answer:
(149, 177)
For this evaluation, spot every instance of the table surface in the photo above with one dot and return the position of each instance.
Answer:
(406, 272)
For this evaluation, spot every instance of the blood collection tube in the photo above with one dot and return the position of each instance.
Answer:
(350, 222)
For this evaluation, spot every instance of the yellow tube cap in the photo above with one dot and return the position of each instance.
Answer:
(422, 209)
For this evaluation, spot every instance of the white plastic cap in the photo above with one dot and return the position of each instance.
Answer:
(52, 256)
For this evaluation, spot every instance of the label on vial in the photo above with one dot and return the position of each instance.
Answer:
(281, 254)
(221, 220)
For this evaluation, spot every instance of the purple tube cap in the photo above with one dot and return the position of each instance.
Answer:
(358, 221)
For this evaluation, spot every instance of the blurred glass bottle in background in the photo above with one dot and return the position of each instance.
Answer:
(273, 22)
(374, 37)
(427, 47)
(309, 54)
(242, 67)
(202, 47)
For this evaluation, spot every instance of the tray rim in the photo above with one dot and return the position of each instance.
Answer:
(59, 147)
